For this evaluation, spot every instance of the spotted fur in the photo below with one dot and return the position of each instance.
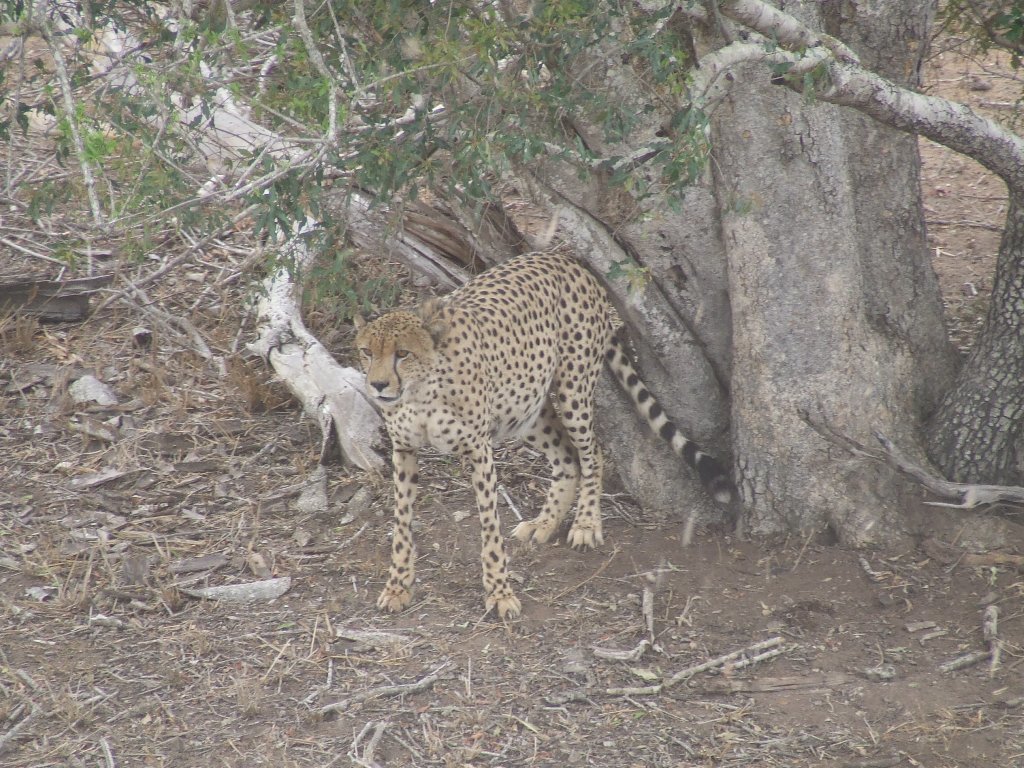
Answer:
(515, 353)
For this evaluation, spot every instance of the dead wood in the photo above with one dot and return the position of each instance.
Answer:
(962, 662)
(383, 691)
(328, 392)
(51, 300)
(990, 631)
(964, 495)
(744, 657)
(774, 684)
(948, 554)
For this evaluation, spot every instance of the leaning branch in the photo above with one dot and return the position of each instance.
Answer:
(961, 495)
(328, 392)
(848, 84)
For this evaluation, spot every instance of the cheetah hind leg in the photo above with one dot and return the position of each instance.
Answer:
(549, 436)
(394, 598)
(586, 531)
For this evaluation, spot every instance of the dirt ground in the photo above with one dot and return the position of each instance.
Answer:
(105, 660)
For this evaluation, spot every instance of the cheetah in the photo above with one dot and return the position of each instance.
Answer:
(514, 353)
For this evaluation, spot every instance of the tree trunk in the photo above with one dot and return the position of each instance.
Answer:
(977, 434)
(835, 307)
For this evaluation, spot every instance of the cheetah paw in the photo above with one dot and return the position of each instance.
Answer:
(394, 598)
(508, 606)
(536, 530)
(585, 536)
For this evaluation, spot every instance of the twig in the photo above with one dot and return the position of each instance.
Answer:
(590, 578)
(353, 537)
(647, 604)
(744, 657)
(967, 660)
(383, 691)
(875, 576)
(508, 500)
(990, 631)
(612, 654)
(889, 761)
(774, 684)
(965, 495)
(108, 756)
(69, 107)
(366, 759)
(721, 661)
(18, 727)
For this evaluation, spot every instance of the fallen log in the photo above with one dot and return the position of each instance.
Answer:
(51, 300)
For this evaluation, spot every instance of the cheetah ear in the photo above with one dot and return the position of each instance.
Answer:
(431, 312)
(358, 321)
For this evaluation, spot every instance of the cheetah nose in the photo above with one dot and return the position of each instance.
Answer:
(380, 386)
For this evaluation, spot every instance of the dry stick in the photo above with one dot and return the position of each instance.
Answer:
(69, 107)
(647, 605)
(353, 537)
(182, 257)
(967, 660)
(721, 661)
(9, 736)
(184, 325)
(382, 692)
(591, 577)
(990, 631)
(366, 759)
(966, 495)
(508, 500)
(765, 649)
(108, 756)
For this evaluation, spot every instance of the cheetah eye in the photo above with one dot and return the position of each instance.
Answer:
(401, 354)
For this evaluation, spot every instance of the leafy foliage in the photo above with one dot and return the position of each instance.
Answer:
(393, 97)
(988, 23)
(455, 95)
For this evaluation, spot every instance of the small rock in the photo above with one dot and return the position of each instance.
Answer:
(313, 498)
(89, 389)
(142, 337)
(881, 673)
(259, 566)
(359, 504)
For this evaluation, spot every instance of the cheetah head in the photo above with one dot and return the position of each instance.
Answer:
(398, 351)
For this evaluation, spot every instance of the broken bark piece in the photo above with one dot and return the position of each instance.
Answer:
(267, 589)
(51, 300)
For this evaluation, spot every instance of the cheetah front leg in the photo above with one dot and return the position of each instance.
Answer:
(549, 436)
(498, 592)
(397, 593)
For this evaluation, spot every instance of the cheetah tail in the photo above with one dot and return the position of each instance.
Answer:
(712, 474)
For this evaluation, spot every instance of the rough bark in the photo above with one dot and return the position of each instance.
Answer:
(977, 434)
(828, 276)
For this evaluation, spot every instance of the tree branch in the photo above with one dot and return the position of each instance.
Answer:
(848, 84)
(964, 495)
(43, 25)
